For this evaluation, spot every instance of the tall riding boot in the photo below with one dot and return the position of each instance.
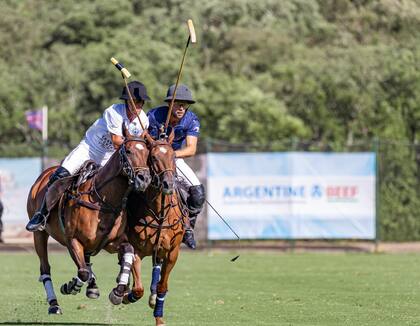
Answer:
(188, 238)
(195, 203)
(38, 221)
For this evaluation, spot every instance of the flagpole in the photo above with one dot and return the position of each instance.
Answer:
(44, 137)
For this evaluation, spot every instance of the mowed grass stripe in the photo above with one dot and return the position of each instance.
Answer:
(207, 289)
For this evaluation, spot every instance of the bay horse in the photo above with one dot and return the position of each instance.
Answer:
(156, 225)
(91, 217)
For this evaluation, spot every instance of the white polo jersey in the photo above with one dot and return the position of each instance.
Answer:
(97, 144)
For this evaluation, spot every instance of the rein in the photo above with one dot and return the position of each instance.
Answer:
(129, 171)
(159, 218)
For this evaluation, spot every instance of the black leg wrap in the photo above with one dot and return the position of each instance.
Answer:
(132, 298)
(83, 274)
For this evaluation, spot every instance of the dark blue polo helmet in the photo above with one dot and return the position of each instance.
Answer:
(183, 93)
(137, 90)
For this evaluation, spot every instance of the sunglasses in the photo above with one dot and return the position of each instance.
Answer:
(184, 105)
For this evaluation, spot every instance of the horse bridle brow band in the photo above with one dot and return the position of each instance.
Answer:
(135, 169)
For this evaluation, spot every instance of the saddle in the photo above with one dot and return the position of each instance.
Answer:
(88, 169)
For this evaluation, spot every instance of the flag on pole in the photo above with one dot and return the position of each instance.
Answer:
(34, 119)
(38, 119)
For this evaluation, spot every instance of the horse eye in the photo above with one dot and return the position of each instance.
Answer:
(128, 151)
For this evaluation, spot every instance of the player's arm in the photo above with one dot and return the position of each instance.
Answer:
(189, 149)
(117, 141)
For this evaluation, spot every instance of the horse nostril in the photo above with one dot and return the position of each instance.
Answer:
(140, 177)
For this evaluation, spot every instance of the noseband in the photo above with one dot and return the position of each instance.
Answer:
(156, 178)
(129, 170)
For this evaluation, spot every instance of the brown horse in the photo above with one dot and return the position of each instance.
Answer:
(91, 217)
(156, 226)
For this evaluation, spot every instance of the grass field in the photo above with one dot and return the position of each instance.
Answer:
(207, 289)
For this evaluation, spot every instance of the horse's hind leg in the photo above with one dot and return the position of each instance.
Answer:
(41, 248)
(92, 290)
(126, 258)
(77, 253)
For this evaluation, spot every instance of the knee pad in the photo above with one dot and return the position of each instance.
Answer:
(196, 199)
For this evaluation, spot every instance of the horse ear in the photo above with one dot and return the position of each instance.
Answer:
(171, 136)
(149, 139)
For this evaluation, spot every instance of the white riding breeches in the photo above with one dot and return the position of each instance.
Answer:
(82, 153)
(184, 171)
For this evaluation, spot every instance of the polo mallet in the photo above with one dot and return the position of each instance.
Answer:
(191, 38)
(125, 75)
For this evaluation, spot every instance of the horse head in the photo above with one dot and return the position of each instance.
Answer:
(162, 162)
(134, 155)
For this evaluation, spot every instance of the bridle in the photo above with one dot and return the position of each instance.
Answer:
(128, 169)
(159, 217)
(156, 176)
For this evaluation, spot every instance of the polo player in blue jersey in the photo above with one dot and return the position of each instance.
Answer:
(186, 126)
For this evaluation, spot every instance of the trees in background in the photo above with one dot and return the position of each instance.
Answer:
(332, 72)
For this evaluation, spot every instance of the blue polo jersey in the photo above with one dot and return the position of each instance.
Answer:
(189, 125)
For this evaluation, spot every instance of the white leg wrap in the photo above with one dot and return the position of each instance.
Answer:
(128, 259)
(79, 282)
(124, 279)
(49, 289)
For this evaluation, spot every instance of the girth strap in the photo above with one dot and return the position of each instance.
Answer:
(94, 206)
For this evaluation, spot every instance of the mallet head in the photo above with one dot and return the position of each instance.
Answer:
(191, 30)
(120, 67)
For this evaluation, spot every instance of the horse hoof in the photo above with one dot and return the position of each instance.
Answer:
(125, 300)
(55, 310)
(152, 301)
(115, 299)
(160, 322)
(92, 293)
(63, 289)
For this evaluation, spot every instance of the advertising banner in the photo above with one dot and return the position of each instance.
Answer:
(292, 195)
(16, 178)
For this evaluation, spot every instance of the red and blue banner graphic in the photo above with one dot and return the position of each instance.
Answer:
(292, 195)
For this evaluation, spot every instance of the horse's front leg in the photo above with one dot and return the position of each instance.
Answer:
(76, 251)
(137, 291)
(126, 258)
(162, 286)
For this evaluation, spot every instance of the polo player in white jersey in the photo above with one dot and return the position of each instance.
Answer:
(101, 140)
